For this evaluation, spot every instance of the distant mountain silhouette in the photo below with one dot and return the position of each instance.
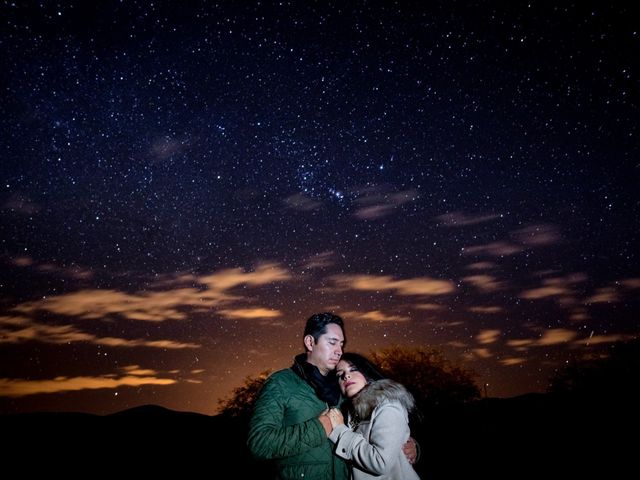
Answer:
(155, 411)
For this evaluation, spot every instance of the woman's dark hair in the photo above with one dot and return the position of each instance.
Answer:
(364, 366)
(317, 325)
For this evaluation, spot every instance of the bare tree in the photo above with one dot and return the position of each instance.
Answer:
(614, 373)
(240, 403)
(431, 378)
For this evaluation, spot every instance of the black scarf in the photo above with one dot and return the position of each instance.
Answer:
(325, 386)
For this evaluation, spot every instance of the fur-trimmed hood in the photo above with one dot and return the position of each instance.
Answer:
(377, 392)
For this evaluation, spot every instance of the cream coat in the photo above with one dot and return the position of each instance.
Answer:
(375, 447)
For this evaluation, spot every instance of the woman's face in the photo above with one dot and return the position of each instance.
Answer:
(350, 379)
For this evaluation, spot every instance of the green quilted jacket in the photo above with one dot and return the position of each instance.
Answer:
(285, 428)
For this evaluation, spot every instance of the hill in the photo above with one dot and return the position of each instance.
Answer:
(492, 438)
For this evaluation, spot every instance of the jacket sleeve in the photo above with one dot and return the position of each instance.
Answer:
(389, 431)
(269, 437)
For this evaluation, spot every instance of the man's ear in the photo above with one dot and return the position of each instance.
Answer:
(309, 342)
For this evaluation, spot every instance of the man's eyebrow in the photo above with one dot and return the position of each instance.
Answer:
(336, 339)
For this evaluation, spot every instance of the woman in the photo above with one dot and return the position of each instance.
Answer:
(378, 414)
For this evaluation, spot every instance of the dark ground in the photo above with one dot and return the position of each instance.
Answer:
(521, 437)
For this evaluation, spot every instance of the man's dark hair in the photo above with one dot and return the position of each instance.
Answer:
(317, 325)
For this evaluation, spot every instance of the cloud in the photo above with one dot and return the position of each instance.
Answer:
(165, 147)
(76, 272)
(301, 203)
(413, 286)
(484, 283)
(481, 266)
(488, 336)
(460, 219)
(376, 202)
(486, 309)
(552, 336)
(482, 353)
(597, 339)
(21, 204)
(521, 344)
(10, 387)
(155, 306)
(145, 306)
(262, 275)
(532, 236)
(375, 316)
(604, 295)
(630, 283)
(18, 329)
(537, 235)
(249, 313)
(512, 361)
(136, 370)
(320, 260)
(555, 336)
(493, 249)
(429, 306)
(555, 287)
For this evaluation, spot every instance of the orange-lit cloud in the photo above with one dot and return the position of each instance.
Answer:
(481, 266)
(136, 370)
(429, 306)
(374, 316)
(156, 306)
(552, 336)
(18, 329)
(249, 313)
(10, 387)
(481, 309)
(512, 361)
(532, 236)
(413, 286)
(375, 202)
(631, 283)
(556, 287)
(484, 283)
(488, 336)
(264, 274)
(555, 336)
(604, 295)
(75, 272)
(597, 339)
(522, 343)
(482, 353)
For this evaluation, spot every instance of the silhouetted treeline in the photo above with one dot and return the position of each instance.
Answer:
(541, 434)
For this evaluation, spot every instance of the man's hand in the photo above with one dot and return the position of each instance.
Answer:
(411, 450)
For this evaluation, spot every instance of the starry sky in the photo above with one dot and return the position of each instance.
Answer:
(184, 184)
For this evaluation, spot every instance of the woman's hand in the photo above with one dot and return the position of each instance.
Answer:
(336, 417)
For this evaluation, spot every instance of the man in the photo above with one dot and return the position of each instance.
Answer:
(289, 424)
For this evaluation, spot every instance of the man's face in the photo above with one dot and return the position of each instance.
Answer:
(326, 352)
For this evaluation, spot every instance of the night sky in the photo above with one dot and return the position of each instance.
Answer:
(184, 183)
